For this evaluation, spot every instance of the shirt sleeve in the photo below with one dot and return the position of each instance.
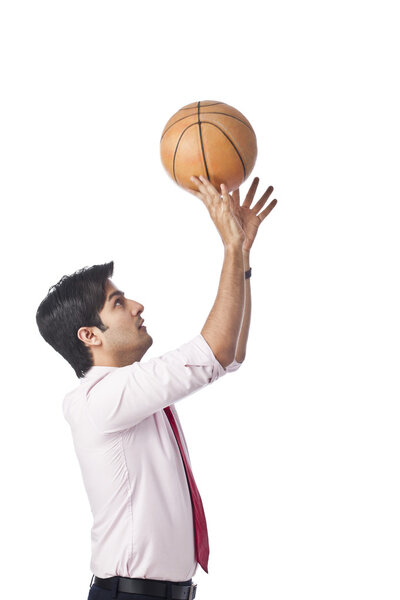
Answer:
(127, 395)
(234, 366)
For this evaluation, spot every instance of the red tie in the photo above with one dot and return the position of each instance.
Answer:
(200, 525)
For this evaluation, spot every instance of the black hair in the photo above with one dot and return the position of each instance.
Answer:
(74, 302)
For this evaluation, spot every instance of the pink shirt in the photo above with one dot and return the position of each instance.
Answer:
(131, 465)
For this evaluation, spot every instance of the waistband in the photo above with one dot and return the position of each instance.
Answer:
(180, 590)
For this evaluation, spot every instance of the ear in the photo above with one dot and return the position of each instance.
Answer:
(88, 336)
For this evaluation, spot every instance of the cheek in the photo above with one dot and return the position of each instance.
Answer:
(127, 328)
(123, 331)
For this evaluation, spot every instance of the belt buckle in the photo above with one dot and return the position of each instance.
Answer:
(192, 588)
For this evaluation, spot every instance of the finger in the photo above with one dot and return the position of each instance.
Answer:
(250, 194)
(236, 198)
(209, 186)
(224, 193)
(258, 206)
(236, 195)
(199, 184)
(268, 209)
(202, 194)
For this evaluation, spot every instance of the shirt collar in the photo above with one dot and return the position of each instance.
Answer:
(97, 371)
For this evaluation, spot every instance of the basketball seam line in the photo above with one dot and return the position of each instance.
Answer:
(227, 136)
(209, 123)
(204, 105)
(201, 140)
(206, 113)
(176, 150)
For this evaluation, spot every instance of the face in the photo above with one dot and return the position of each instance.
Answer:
(124, 342)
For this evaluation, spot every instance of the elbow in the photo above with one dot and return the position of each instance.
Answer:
(238, 363)
(224, 359)
(233, 364)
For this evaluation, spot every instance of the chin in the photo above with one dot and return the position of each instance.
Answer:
(149, 342)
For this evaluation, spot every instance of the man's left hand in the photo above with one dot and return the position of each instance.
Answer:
(248, 217)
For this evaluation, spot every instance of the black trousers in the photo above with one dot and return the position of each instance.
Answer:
(98, 593)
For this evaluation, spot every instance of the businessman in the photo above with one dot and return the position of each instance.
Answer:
(149, 528)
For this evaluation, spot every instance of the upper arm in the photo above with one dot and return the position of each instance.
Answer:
(130, 394)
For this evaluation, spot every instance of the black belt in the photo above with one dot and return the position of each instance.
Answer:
(149, 587)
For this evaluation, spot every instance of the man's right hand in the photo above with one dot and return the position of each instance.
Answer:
(220, 210)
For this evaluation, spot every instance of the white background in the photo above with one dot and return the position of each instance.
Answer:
(296, 454)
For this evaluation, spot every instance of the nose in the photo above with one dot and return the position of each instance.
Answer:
(136, 308)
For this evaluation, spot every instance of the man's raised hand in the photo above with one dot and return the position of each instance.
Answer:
(219, 205)
(248, 217)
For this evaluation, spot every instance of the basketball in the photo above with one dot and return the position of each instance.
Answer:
(208, 138)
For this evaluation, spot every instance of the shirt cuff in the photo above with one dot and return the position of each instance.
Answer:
(218, 369)
(234, 366)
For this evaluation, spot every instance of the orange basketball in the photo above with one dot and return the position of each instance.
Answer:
(212, 139)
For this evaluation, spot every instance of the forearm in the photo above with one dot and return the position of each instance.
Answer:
(221, 330)
(244, 330)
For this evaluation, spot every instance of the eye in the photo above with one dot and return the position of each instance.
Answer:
(120, 300)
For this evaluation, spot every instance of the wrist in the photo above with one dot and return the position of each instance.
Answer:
(246, 260)
(235, 248)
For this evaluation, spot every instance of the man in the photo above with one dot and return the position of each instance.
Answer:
(149, 529)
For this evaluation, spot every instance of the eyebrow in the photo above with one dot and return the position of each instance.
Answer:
(116, 293)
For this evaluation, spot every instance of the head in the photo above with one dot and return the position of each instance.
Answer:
(89, 321)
